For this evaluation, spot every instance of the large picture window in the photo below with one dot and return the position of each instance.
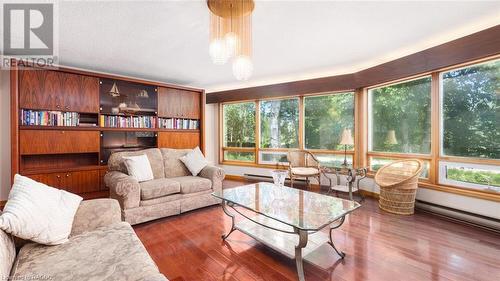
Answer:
(400, 117)
(279, 123)
(326, 117)
(471, 111)
(239, 131)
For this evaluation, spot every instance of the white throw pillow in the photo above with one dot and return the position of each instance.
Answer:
(38, 212)
(194, 161)
(139, 167)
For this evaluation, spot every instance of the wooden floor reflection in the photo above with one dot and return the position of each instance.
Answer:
(379, 246)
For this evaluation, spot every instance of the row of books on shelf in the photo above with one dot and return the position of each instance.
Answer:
(49, 118)
(128, 121)
(176, 123)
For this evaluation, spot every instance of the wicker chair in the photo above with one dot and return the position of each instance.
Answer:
(398, 183)
(303, 164)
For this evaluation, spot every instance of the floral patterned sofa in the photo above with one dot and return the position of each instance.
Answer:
(172, 191)
(101, 247)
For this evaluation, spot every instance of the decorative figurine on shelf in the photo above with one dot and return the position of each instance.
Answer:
(114, 91)
(143, 94)
(115, 110)
(346, 140)
(122, 106)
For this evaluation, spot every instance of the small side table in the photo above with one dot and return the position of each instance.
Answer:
(352, 175)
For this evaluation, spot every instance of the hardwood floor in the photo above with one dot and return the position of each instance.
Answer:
(379, 246)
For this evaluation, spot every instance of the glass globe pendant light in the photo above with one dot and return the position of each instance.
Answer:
(218, 51)
(242, 67)
(231, 35)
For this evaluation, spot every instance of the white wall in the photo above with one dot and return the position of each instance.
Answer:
(211, 133)
(5, 134)
(469, 204)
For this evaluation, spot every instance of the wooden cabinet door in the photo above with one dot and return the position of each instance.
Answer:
(78, 182)
(51, 179)
(40, 89)
(190, 104)
(178, 139)
(53, 90)
(169, 103)
(81, 93)
(81, 181)
(36, 142)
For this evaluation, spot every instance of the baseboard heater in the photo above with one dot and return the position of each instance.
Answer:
(464, 217)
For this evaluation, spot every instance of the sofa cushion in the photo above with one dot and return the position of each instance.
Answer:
(190, 184)
(7, 254)
(173, 166)
(158, 188)
(108, 253)
(38, 212)
(139, 167)
(116, 161)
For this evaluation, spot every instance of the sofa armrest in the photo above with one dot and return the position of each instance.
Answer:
(92, 214)
(215, 174)
(123, 188)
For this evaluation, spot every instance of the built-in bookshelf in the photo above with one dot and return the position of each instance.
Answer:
(66, 123)
(178, 124)
(57, 118)
(117, 121)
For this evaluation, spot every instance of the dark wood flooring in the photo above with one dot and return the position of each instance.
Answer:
(379, 246)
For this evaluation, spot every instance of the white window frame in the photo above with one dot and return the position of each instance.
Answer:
(444, 165)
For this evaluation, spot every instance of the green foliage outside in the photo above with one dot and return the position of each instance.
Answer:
(404, 108)
(472, 111)
(239, 156)
(477, 177)
(325, 119)
(279, 123)
(239, 124)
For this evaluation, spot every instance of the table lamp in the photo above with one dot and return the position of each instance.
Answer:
(346, 140)
(391, 137)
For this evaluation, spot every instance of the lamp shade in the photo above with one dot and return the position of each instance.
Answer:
(391, 137)
(346, 138)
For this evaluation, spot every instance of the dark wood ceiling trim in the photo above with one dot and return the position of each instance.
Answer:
(482, 44)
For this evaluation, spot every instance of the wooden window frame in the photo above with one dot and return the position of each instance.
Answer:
(257, 150)
(361, 155)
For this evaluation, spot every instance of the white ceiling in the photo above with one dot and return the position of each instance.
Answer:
(168, 40)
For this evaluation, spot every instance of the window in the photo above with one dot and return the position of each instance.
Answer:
(239, 125)
(471, 111)
(475, 176)
(325, 119)
(272, 157)
(332, 160)
(239, 131)
(470, 114)
(239, 156)
(400, 117)
(279, 123)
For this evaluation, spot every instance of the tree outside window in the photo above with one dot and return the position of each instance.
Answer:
(400, 117)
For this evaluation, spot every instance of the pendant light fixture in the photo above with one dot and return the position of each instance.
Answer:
(231, 35)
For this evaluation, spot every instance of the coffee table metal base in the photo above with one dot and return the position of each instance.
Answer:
(290, 241)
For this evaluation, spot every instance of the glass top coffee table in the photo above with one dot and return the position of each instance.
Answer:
(286, 219)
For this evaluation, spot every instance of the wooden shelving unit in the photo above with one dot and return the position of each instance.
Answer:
(74, 158)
